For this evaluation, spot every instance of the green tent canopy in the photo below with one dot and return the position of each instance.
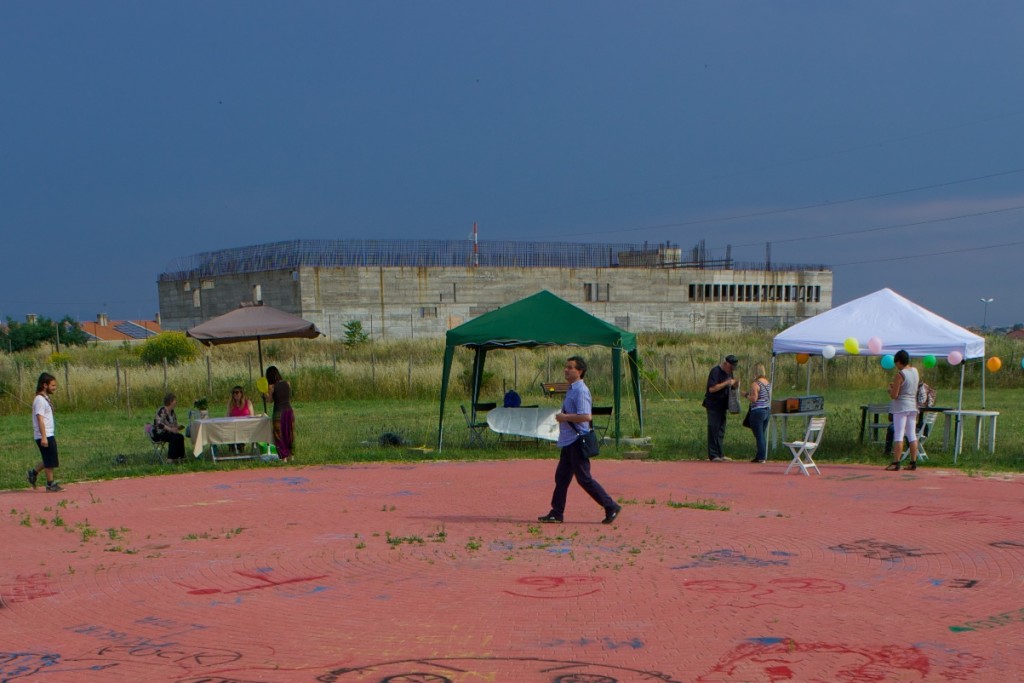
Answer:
(540, 320)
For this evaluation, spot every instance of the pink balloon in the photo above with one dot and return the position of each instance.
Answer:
(875, 345)
(955, 357)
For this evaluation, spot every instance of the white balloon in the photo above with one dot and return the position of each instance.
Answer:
(828, 351)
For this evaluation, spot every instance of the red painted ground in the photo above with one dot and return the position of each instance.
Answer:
(288, 574)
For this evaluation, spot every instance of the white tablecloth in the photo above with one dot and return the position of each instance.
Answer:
(222, 430)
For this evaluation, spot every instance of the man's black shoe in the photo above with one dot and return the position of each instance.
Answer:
(550, 518)
(610, 514)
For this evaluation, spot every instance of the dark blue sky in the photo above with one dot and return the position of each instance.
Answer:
(881, 138)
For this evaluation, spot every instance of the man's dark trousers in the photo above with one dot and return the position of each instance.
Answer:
(572, 463)
(716, 432)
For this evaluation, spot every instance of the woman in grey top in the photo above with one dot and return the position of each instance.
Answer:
(903, 392)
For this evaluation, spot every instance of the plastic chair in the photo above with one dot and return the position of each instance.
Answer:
(159, 447)
(923, 431)
(477, 430)
(803, 451)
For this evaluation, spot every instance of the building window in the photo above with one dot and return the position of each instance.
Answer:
(428, 311)
(196, 302)
(206, 284)
(257, 294)
(187, 287)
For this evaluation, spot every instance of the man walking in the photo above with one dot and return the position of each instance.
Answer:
(716, 402)
(573, 421)
(42, 426)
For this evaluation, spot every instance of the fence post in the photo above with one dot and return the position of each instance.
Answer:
(127, 392)
(117, 375)
(67, 382)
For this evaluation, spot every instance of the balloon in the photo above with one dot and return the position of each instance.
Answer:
(1022, 362)
(828, 351)
(888, 362)
(955, 357)
(802, 358)
(262, 385)
(875, 345)
(994, 364)
(928, 361)
(851, 346)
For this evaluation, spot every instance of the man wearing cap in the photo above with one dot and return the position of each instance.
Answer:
(716, 402)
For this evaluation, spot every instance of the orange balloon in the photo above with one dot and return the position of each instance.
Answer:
(994, 364)
(802, 358)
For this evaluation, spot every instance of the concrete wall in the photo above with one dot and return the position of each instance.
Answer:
(399, 302)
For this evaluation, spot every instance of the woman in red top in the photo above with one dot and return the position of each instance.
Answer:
(239, 405)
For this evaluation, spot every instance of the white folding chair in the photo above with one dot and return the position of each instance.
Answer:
(927, 422)
(803, 451)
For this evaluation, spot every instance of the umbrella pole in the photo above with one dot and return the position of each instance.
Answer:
(259, 351)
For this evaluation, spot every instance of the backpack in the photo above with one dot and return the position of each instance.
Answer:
(512, 399)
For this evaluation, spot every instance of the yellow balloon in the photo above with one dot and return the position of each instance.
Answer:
(994, 364)
(262, 385)
(801, 358)
(851, 346)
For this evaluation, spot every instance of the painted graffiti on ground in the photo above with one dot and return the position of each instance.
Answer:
(605, 643)
(959, 515)
(790, 593)
(784, 659)
(17, 665)
(25, 587)
(994, 621)
(557, 587)
(262, 581)
(879, 550)
(467, 669)
(726, 557)
(1008, 545)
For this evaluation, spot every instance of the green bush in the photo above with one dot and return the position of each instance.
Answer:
(174, 346)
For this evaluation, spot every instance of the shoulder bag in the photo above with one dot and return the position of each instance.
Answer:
(587, 441)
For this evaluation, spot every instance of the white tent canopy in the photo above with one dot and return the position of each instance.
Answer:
(897, 321)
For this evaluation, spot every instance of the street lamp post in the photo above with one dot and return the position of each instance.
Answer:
(984, 319)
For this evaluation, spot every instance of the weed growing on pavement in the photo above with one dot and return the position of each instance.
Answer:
(86, 530)
(474, 543)
(395, 541)
(360, 545)
(439, 536)
(700, 504)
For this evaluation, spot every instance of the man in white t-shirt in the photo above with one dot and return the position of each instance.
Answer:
(42, 428)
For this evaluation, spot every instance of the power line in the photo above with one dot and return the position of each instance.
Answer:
(884, 227)
(903, 257)
(804, 207)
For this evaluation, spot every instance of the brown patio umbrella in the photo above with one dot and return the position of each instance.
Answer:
(252, 322)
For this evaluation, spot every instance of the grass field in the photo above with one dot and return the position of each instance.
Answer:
(345, 398)
(348, 431)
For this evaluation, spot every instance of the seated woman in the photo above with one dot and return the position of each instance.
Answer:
(166, 428)
(239, 406)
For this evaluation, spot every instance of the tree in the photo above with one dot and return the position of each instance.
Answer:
(28, 335)
(354, 334)
(174, 346)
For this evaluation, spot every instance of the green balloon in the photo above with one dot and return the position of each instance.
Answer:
(929, 361)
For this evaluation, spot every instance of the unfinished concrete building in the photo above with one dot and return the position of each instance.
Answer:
(422, 288)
